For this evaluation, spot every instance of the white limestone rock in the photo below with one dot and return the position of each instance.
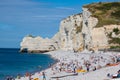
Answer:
(69, 39)
(37, 44)
(76, 33)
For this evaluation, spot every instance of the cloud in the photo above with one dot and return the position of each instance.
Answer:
(49, 16)
(65, 8)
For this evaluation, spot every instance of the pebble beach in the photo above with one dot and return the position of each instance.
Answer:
(79, 66)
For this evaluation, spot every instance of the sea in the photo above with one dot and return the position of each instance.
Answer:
(12, 62)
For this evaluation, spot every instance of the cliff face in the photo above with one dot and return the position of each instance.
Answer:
(38, 44)
(77, 32)
(70, 33)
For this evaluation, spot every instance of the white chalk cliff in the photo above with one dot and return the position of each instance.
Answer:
(38, 44)
(77, 32)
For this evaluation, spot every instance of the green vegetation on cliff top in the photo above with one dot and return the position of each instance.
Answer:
(107, 13)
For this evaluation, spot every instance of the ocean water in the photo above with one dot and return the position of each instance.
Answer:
(12, 62)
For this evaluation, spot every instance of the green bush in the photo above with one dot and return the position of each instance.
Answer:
(79, 28)
(110, 35)
(114, 47)
(115, 41)
(116, 14)
(30, 36)
(116, 30)
(107, 13)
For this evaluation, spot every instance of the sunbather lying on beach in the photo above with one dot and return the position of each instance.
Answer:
(115, 75)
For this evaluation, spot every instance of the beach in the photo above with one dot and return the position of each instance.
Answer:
(79, 66)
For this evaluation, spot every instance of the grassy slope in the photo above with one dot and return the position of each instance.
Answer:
(107, 13)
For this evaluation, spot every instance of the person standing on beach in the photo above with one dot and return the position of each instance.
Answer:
(44, 77)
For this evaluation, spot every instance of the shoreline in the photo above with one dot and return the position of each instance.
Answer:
(61, 55)
(34, 72)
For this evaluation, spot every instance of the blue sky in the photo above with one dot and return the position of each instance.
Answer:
(19, 18)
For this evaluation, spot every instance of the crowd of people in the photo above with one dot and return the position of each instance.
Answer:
(92, 63)
(79, 63)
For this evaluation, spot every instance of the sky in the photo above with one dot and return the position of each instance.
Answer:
(19, 18)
